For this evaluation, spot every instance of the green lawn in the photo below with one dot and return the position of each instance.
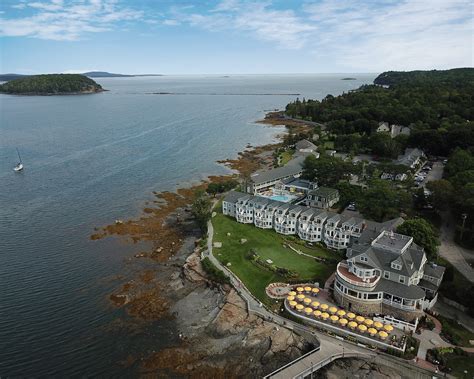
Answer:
(461, 363)
(456, 332)
(268, 245)
(286, 156)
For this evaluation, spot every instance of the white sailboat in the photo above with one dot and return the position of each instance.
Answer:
(19, 165)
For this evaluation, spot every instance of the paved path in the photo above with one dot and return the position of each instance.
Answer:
(450, 251)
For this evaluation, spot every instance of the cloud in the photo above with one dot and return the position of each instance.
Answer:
(400, 35)
(66, 20)
(282, 27)
(367, 35)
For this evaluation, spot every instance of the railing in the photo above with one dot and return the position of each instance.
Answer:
(399, 305)
(360, 283)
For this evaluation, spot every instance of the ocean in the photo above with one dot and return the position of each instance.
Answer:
(91, 159)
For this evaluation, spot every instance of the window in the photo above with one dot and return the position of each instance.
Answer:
(386, 274)
(363, 259)
(402, 279)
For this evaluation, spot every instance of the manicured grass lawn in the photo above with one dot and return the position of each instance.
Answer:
(268, 245)
(460, 363)
(456, 332)
(286, 157)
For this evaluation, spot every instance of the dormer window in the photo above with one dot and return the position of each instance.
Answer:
(363, 258)
(396, 266)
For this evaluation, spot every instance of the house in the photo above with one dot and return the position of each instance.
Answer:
(396, 177)
(322, 197)
(341, 229)
(305, 146)
(394, 130)
(264, 213)
(229, 203)
(261, 180)
(388, 275)
(311, 224)
(411, 157)
(383, 127)
(295, 185)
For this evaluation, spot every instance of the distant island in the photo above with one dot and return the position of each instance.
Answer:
(51, 84)
(90, 74)
(349, 79)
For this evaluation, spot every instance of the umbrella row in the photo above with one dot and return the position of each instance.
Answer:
(315, 306)
(361, 328)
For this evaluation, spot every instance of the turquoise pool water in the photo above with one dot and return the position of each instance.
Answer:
(283, 198)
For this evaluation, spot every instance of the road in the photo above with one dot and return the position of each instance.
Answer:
(448, 249)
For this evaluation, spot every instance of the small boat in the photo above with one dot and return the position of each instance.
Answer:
(19, 165)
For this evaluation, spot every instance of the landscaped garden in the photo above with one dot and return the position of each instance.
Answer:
(453, 361)
(454, 332)
(242, 242)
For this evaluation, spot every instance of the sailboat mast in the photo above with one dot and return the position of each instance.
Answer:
(19, 157)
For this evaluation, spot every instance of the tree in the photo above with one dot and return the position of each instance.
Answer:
(423, 234)
(442, 193)
(201, 210)
(326, 170)
(383, 145)
(383, 202)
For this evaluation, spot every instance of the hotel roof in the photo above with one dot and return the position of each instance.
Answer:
(293, 167)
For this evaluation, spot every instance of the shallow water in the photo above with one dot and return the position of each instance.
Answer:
(92, 159)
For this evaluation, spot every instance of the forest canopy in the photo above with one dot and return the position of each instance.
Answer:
(51, 84)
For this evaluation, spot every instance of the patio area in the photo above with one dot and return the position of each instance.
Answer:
(313, 304)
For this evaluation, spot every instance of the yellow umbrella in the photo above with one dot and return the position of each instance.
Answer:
(341, 312)
(362, 328)
(315, 304)
(324, 315)
(299, 307)
(352, 325)
(360, 319)
(307, 300)
(308, 310)
(351, 315)
(324, 306)
(292, 293)
(300, 289)
(308, 289)
(378, 324)
(293, 304)
(368, 322)
(300, 296)
(333, 309)
(388, 328)
(290, 298)
(315, 290)
(372, 331)
(317, 313)
(343, 321)
(383, 334)
(334, 318)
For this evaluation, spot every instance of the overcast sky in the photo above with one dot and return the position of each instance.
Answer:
(234, 36)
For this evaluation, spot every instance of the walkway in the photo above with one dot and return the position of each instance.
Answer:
(314, 361)
(453, 253)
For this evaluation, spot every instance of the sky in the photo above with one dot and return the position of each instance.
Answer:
(234, 36)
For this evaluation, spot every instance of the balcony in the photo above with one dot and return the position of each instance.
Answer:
(349, 277)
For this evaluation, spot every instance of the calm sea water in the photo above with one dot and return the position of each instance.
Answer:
(90, 160)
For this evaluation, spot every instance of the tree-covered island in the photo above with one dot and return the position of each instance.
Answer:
(51, 84)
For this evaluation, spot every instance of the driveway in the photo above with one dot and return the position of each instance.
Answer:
(450, 251)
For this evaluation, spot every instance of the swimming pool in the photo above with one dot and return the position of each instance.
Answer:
(283, 198)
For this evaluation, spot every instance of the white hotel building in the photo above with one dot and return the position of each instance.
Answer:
(337, 231)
